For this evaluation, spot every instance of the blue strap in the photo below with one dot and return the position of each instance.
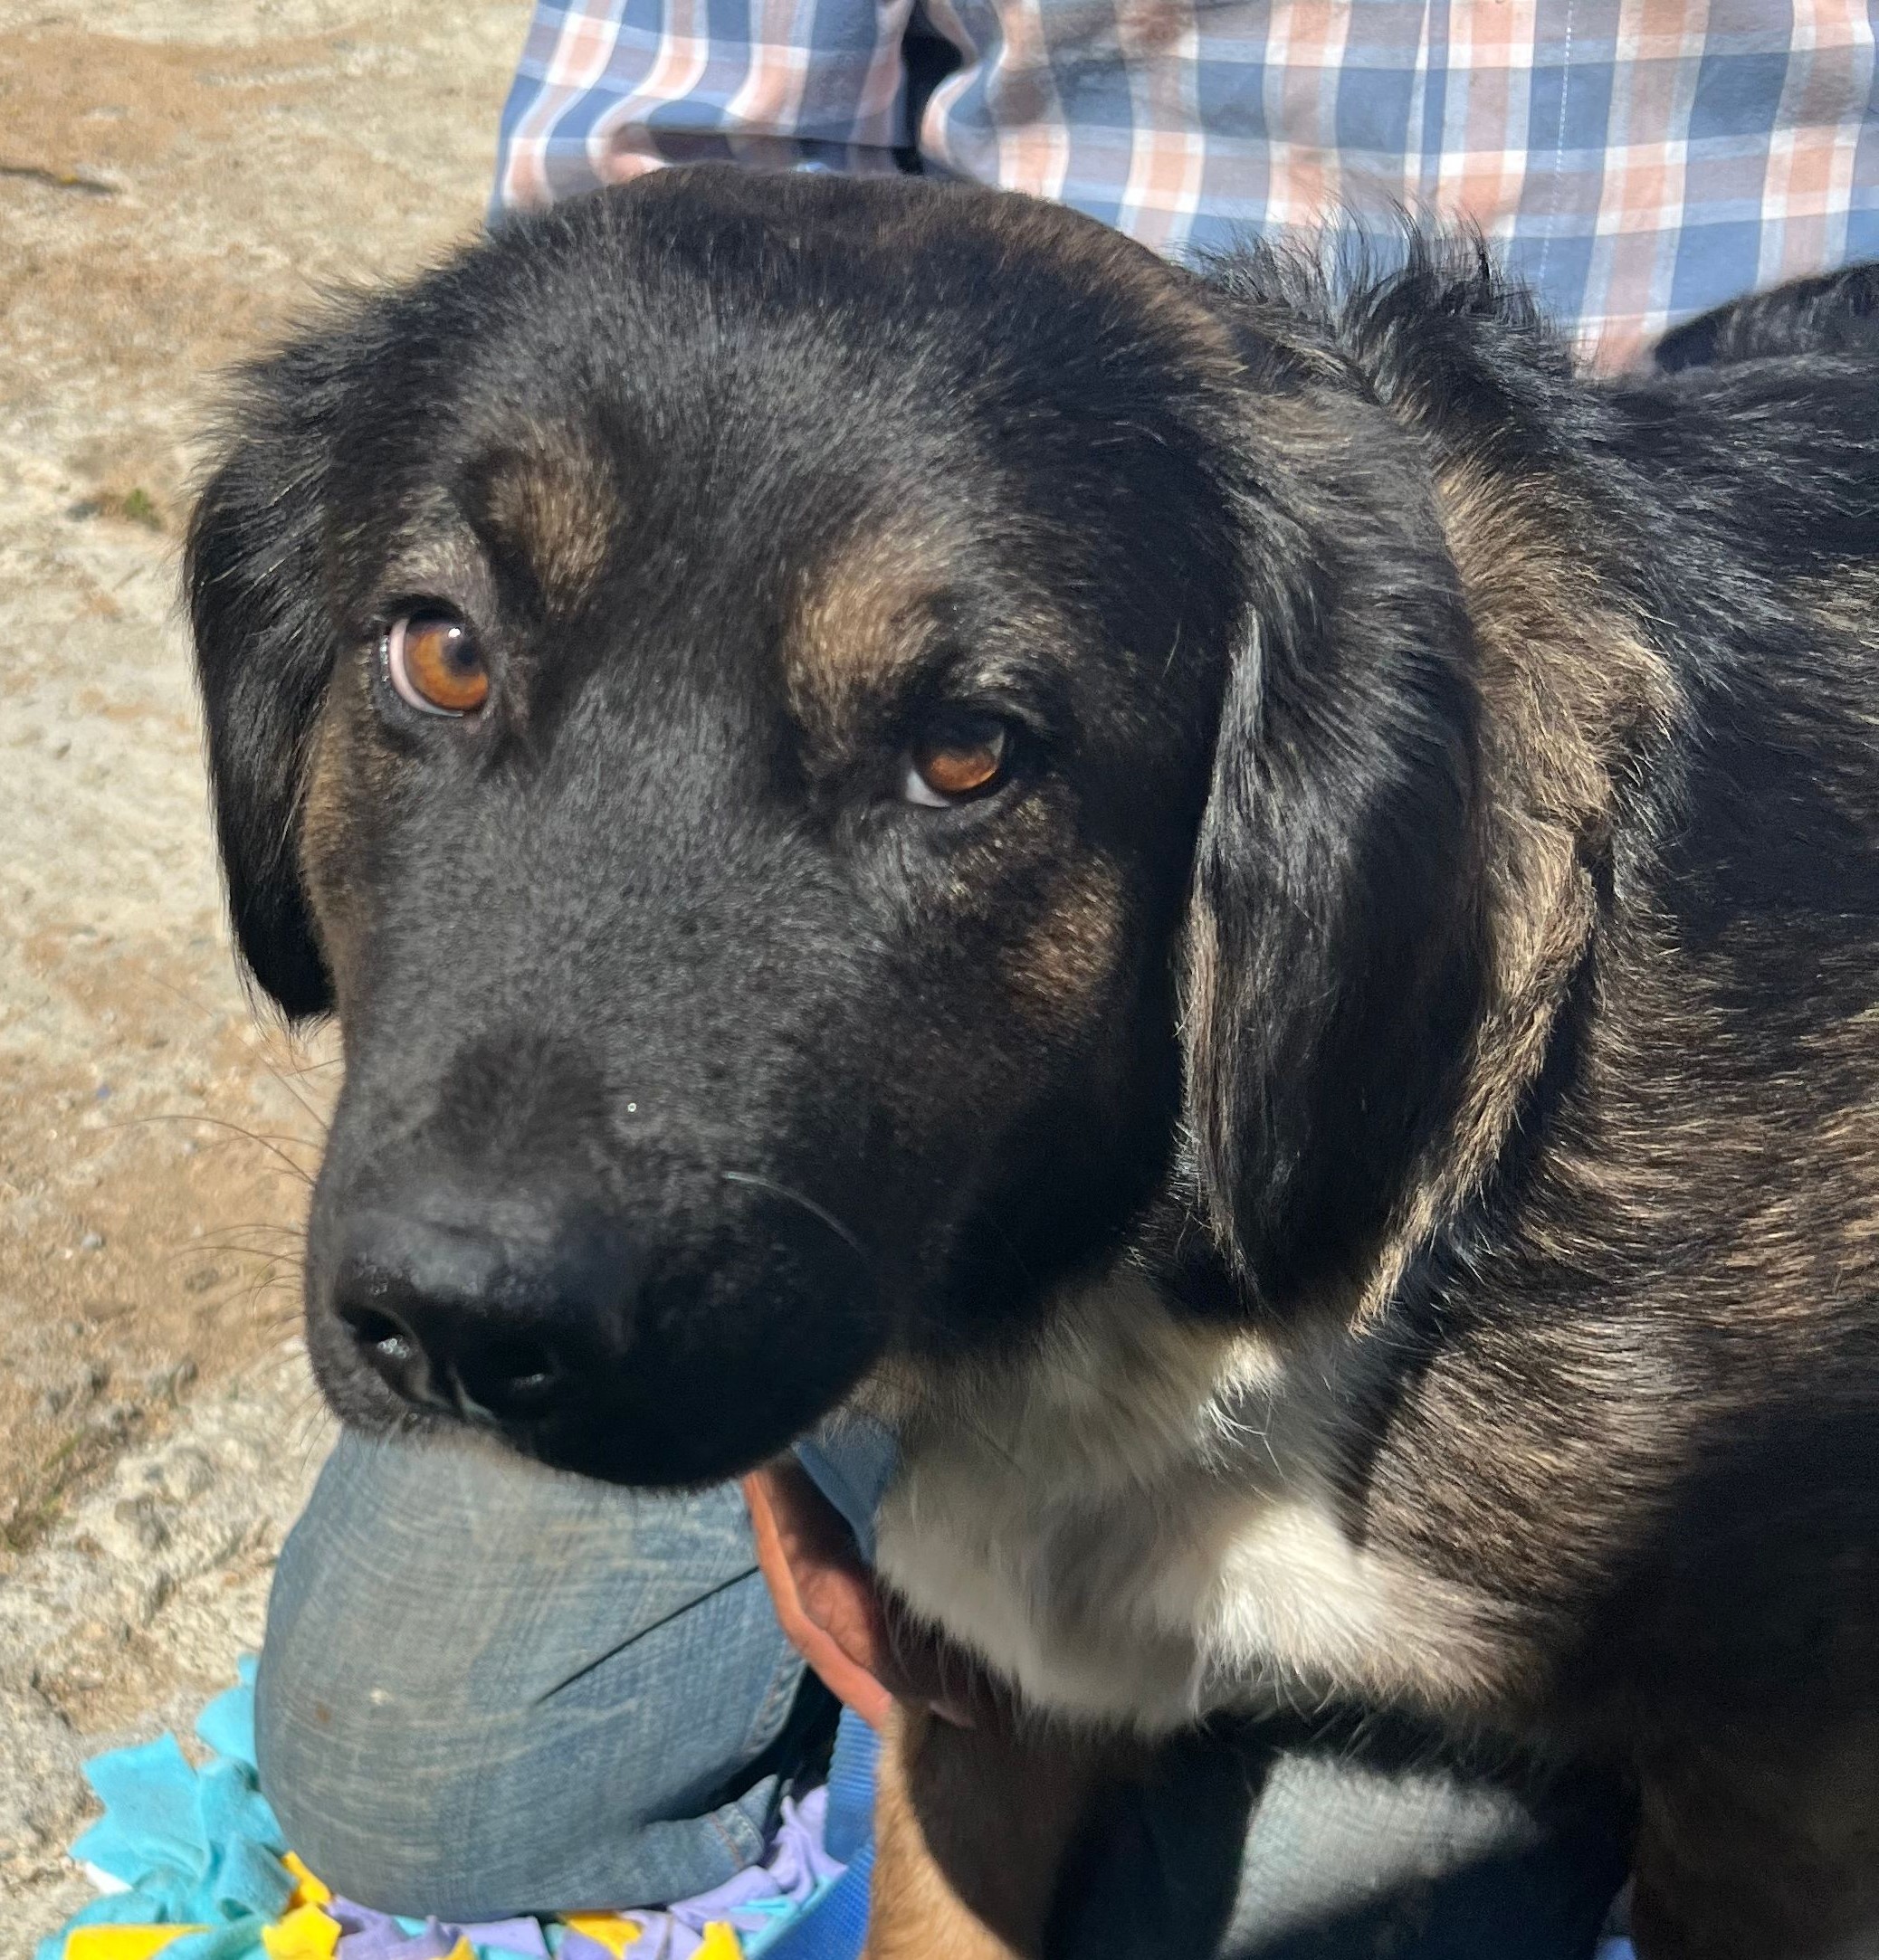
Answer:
(851, 1788)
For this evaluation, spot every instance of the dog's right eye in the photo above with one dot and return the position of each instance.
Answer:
(433, 663)
(959, 756)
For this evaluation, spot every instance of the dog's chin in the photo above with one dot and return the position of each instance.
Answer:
(652, 1433)
(651, 1456)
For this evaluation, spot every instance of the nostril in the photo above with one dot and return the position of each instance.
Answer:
(513, 1377)
(460, 1319)
(383, 1337)
(394, 1353)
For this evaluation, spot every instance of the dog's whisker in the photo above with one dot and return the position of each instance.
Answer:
(277, 1146)
(214, 1016)
(818, 1211)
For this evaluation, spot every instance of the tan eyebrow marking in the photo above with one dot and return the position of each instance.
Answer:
(556, 505)
(857, 622)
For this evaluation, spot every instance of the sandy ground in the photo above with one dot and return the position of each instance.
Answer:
(178, 180)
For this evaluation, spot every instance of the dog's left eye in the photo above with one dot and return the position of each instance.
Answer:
(958, 758)
(433, 663)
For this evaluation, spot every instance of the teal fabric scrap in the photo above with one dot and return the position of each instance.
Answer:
(192, 1846)
(227, 1725)
(151, 1826)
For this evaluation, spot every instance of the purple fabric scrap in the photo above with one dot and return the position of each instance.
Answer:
(756, 1902)
(366, 1935)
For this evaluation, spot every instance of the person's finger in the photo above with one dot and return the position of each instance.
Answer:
(836, 1628)
(834, 1611)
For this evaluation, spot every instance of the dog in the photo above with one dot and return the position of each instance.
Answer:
(1241, 901)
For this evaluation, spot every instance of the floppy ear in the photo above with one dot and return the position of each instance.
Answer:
(264, 648)
(1336, 961)
(1835, 313)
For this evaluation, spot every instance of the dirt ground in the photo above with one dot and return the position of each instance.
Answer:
(178, 180)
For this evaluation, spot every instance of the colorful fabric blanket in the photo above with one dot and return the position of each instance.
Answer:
(190, 1863)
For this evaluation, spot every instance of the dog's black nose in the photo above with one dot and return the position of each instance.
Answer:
(474, 1322)
(671, 1325)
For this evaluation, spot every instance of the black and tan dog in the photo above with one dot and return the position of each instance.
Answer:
(1255, 914)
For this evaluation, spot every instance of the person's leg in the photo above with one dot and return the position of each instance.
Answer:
(487, 1688)
(1268, 1844)
(1347, 1857)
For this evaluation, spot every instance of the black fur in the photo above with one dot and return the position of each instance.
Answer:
(1837, 313)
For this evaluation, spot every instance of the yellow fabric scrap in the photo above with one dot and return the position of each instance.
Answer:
(462, 1950)
(307, 1890)
(614, 1933)
(122, 1942)
(305, 1934)
(721, 1943)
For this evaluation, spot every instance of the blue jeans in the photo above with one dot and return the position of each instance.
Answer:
(487, 1688)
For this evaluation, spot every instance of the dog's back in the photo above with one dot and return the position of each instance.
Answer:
(1690, 1250)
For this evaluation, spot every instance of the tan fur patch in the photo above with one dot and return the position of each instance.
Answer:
(556, 507)
(340, 771)
(1574, 698)
(1066, 958)
(983, 1814)
(1846, 604)
(857, 623)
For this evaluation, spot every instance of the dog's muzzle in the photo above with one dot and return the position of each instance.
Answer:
(674, 1342)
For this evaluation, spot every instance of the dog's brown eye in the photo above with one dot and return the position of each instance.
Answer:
(433, 663)
(966, 755)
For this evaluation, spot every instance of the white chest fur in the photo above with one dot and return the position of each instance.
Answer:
(1140, 1524)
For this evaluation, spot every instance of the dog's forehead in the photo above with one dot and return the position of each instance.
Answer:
(900, 247)
(855, 593)
(847, 599)
(831, 406)
(815, 304)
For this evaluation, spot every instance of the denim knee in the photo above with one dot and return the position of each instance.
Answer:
(487, 1688)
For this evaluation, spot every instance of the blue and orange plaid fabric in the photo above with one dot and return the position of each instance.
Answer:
(1636, 160)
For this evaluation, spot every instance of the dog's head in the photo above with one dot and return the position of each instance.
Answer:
(827, 742)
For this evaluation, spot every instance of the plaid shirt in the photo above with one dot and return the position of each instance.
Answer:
(1637, 160)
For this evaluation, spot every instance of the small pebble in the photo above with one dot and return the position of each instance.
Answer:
(92, 1241)
(186, 1472)
(170, 1382)
(141, 1517)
